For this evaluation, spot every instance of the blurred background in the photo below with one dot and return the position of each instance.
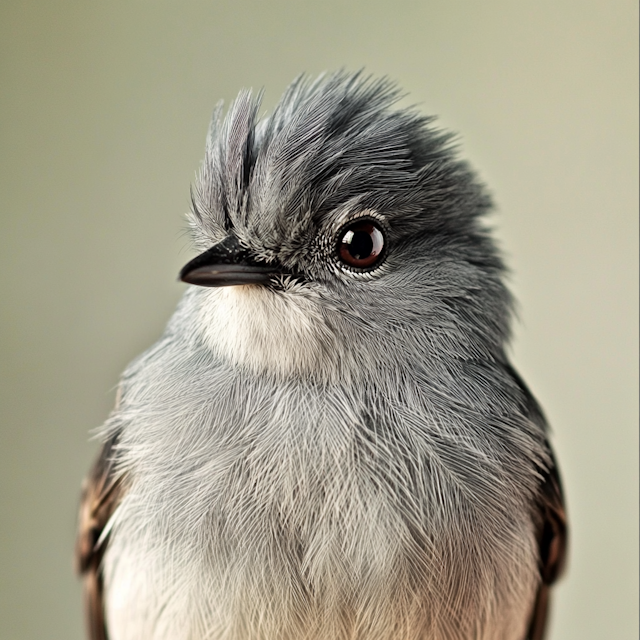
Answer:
(104, 108)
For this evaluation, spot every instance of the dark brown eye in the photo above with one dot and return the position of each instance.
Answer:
(360, 244)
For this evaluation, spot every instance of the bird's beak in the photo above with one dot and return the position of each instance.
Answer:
(226, 264)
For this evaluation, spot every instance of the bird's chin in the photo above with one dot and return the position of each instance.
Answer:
(268, 331)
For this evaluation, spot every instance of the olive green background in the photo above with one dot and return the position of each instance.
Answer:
(104, 108)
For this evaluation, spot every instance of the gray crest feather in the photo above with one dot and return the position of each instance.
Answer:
(328, 141)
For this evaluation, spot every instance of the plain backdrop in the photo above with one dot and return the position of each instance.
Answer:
(104, 108)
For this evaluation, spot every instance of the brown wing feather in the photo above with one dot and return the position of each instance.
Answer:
(552, 545)
(102, 491)
(551, 520)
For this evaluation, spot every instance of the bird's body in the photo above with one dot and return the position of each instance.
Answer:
(328, 451)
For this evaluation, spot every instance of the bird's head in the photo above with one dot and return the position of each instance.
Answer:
(341, 234)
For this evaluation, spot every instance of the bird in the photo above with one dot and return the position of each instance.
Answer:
(328, 442)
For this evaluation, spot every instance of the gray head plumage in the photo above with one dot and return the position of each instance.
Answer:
(337, 148)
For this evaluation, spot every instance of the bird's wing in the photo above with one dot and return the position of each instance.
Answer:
(102, 491)
(552, 546)
(551, 520)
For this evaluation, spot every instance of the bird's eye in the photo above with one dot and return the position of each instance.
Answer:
(360, 244)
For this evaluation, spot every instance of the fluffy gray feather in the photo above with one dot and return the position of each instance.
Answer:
(339, 454)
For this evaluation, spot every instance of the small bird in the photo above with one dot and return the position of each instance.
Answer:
(328, 442)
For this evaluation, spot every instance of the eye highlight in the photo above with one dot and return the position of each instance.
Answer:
(360, 244)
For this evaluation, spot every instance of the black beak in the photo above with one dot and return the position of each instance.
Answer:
(226, 264)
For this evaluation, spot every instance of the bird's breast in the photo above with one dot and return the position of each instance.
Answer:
(263, 509)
